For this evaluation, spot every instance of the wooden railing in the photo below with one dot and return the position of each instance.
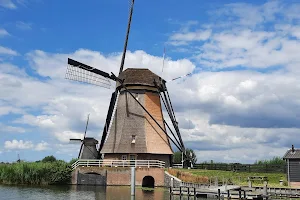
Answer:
(265, 168)
(177, 165)
(118, 163)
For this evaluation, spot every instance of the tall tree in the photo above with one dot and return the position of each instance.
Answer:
(191, 157)
(49, 159)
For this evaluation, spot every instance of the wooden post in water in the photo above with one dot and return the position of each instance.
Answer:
(132, 181)
(240, 194)
(219, 194)
(265, 190)
(216, 181)
(195, 193)
(228, 194)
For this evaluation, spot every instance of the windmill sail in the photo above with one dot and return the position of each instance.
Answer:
(112, 105)
(108, 118)
(77, 71)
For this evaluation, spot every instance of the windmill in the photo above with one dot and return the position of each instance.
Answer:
(88, 148)
(135, 127)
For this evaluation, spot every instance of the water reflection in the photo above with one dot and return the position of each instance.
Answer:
(80, 192)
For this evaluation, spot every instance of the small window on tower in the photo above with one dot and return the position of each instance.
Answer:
(124, 157)
(133, 139)
(136, 96)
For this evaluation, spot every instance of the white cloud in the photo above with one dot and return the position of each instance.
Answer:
(10, 129)
(3, 32)
(7, 51)
(65, 136)
(239, 37)
(18, 144)
(242, 107)
(184, 37)
(42, 146)
(23, 145)
(8, 4)
(23, 25)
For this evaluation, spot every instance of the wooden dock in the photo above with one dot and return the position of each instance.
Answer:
(234, 192)
(220, 192)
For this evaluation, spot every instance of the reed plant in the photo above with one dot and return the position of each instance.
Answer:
(35, 173)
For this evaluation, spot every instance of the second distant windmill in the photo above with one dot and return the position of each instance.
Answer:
(88, 149)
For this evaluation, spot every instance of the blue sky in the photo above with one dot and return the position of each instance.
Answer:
(243, 56)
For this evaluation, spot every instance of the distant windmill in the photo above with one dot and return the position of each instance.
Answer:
(19, 160)
(88, 149)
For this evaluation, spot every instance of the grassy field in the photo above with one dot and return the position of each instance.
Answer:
(238, 178)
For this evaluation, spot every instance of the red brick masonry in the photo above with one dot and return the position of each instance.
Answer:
(121, 176)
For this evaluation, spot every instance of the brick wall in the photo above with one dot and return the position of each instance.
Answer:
(120, 175)
(156, 173)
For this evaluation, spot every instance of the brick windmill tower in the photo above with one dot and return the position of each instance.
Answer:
(135, 127)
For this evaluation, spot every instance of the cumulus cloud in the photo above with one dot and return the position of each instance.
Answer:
(25, 145)
(10, 129)
(65, 136)
(183, 38)
(18, 144)
(42, 146)
(7, 51)
(238, 37)
(3, 32)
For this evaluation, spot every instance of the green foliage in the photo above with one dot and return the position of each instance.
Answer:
(274, 161)
(49, 159)
(177, 157)
(190, 156)
(35, 173)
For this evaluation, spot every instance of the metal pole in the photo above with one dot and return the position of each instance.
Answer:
(132, 181)
(288, 171)
(182, 159)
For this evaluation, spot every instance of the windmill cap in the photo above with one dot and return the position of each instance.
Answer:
(139, 76)
(90, 141)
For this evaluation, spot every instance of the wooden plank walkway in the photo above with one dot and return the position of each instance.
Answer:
(235, 192)
(232, 192)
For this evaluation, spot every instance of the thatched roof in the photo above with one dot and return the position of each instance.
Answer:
(292, 154)
(139, 76)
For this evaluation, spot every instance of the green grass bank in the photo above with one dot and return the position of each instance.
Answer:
(36, 173)
(238, 178)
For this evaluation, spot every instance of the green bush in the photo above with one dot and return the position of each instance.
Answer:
(35, 173)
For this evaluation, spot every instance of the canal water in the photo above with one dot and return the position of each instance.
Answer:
(81, 193)
(74, 192)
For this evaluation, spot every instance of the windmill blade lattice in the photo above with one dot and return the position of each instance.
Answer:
(84, 75)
